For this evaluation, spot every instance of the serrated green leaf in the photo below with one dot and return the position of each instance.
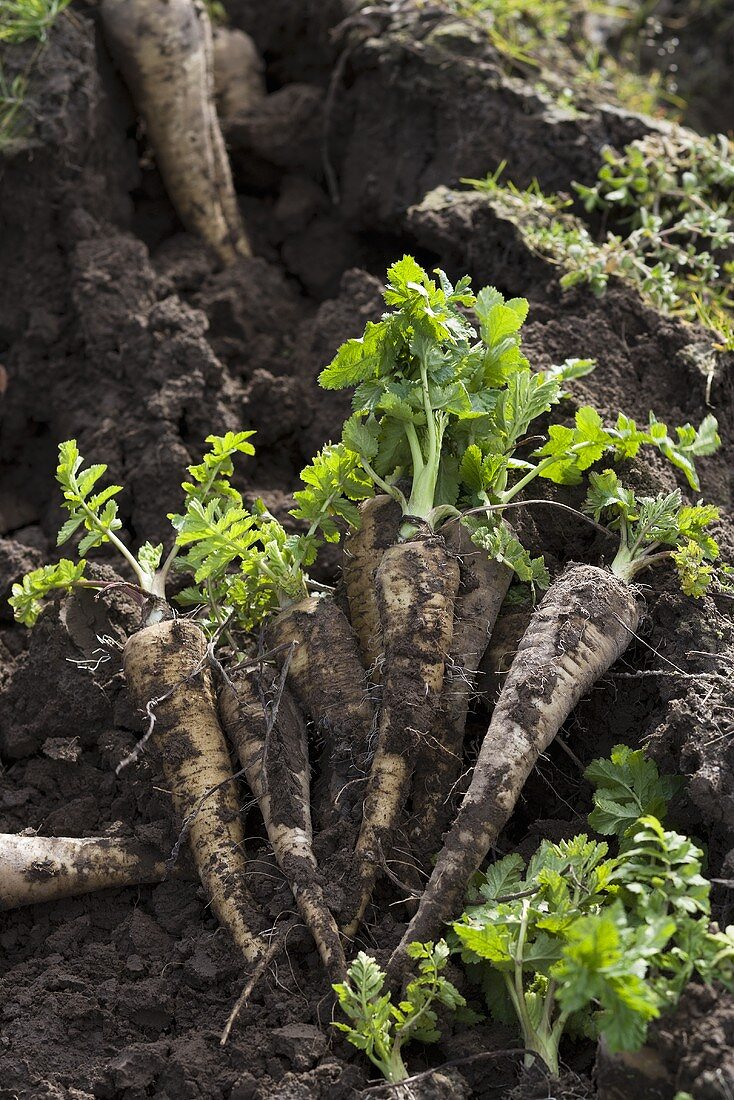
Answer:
(628, 786)
(39, 584)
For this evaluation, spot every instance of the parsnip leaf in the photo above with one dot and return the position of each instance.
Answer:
(628, 786)
(378, 1026)
(28, 594)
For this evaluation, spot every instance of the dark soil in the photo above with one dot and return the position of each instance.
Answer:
(117, 328)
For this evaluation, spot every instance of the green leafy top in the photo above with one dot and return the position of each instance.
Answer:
(381, 1028)
(672, 193)
(443, 395)
(654, 529)
(29, 593)
(444, 398)
(245, 564)
(95, 512)
(334, 482)
(579, 930)
(628, 786)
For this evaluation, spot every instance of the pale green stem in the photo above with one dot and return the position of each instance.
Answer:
(391, 490)
(415, 451)
(145, 579)
(529, 476)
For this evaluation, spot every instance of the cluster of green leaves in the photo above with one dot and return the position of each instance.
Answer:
(334, 483)
(674, 191)
(443, 396)
(22, 20)
(28, 594)
(443, 401)
(654, 529)
(552, 36)
(244, 563)
(587, 942)
(13, 93)
(672, 194)
(381, 1028)
(94, 511)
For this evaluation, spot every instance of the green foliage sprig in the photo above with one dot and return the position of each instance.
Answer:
(214, 526)
(443, 400)
(656, 529)
(379, 1027)
(672, 192)
(583, 941)
(25, 19)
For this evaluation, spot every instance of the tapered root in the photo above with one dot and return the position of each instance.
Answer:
(583, 624)
(164, 49)
(34, 869)
(416, 586)
(484, 584)
(239, 74)
(512, 622)
(166, 663)
(363, 550)
(329, 682)
(273, 752)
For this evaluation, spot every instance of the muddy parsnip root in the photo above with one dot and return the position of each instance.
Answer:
(239, 73)
(329, 682)
(363, 550)
(171, 655)
(584, 623)
(484, 584)
(276, 765)
(416, 583)
(512, 622)
(35, 869)
(164, 50)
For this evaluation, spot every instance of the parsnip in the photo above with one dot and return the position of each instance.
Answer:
(274, 756)
(164, 50)
(165, 663)
(364, 547)
(239, 80)
(584, 623)
(35, 869)
(329, 682)
(484, 584)
(416, 586)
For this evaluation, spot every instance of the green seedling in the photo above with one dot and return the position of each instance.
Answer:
(584, 942)
(94, 512)
(584, 623)
(659, 529)
(381, 1028)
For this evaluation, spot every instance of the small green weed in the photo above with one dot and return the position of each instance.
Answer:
(22, 20)
(671, 196)
(12, 99)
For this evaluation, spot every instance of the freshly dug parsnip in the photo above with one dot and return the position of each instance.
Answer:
(34, 869)
(164, 51)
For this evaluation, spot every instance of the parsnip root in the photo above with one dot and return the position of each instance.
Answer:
(584, 623)
(330, 684)
(416, 585)
(35, 869)
(276, 766)
(484, 584)
(239, 73)
(363, 551)
(164, 50)
(171, 655)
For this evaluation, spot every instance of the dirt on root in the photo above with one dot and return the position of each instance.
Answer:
(116, 328)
